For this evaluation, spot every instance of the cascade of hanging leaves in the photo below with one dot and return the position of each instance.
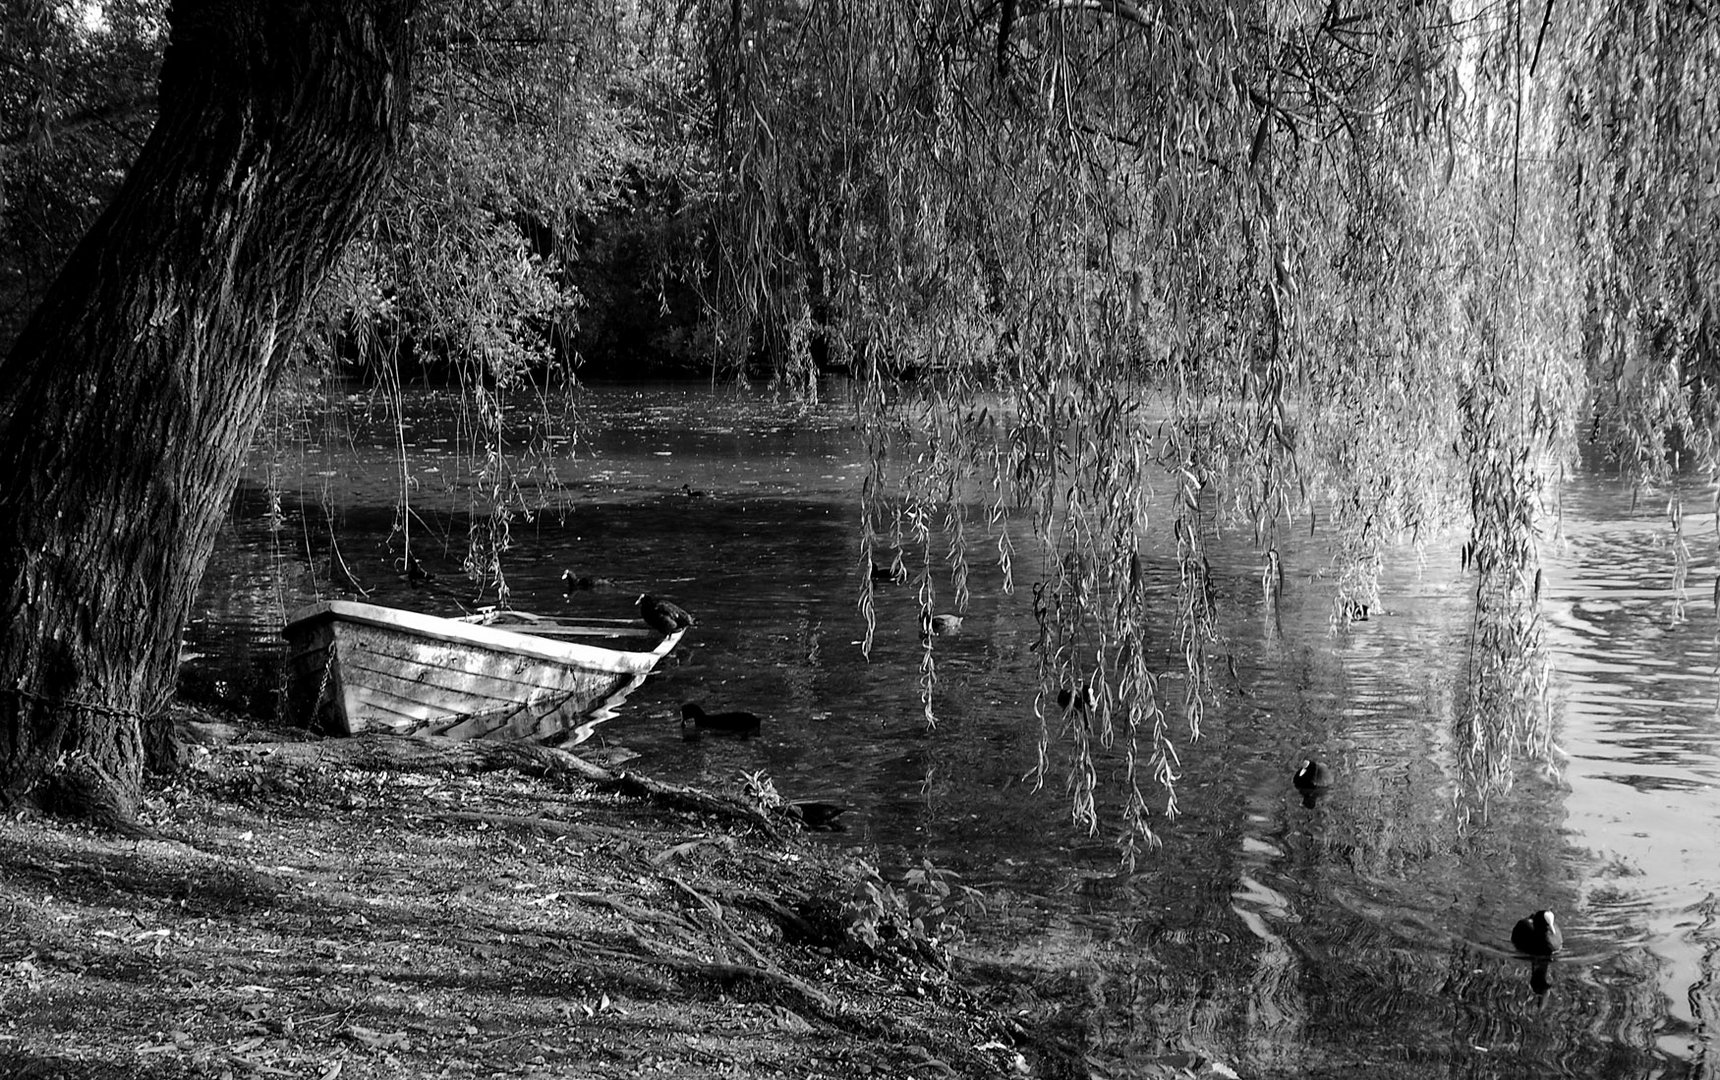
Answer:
(1118, 275)
(530, 120)
(1643, 133)
(1307, 261)
(1127, 276)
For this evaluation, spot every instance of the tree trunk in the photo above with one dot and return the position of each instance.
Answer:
(127, 404)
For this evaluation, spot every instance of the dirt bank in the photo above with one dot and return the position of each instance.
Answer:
(386, 908)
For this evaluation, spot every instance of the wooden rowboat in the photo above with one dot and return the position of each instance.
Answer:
(356, 667)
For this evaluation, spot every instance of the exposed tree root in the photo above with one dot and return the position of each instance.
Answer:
(431, 753)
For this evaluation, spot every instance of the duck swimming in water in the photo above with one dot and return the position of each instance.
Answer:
(945, 624)
(582, 583)
(663, 616)
(1537, 934)
(415, 573)
(1313, 775)
(723, 723)
(1312, 780)
(815, 815)
(1087, 697)
(893, 574)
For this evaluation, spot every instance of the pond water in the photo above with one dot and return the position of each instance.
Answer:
(1365, 935)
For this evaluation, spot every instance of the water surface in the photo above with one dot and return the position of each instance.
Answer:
(1364, 935)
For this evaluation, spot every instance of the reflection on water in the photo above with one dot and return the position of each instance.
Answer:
(1640, 724)
(1364, 935)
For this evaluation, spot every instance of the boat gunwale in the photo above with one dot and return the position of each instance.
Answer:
(474, 635)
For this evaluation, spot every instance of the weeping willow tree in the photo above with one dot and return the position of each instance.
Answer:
(1369, 265)
(1140, 272)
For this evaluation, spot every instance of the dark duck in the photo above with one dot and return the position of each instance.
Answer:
(1312, 780)
(815, 815)
(892, 574)
(1313, 775)
(942, 625)
(662, 616)
(1537, 934)
(414, 571)
(723, 723)
(1087, 697)
(572, 583)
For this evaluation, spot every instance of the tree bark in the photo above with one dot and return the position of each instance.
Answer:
(128, 401)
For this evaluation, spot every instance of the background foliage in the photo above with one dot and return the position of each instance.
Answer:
(1141, 272)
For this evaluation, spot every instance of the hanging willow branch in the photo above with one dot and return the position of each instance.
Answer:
(1130, 278)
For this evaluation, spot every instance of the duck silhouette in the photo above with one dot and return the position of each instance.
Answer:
(723, 723)
(663, 616)
(1087, 697)
(414, 571)
(1313, 775)
(571, 583)
(815, 815)
(1312, 780)
(942, 625)
(1537, 934)
(893, 574)
(692, 492)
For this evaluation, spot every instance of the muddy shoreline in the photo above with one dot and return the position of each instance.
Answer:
(388, 907)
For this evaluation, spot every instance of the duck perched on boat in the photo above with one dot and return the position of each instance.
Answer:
(723, 723)
(664, 616)
(1537, 934)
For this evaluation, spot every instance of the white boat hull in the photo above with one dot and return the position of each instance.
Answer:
(361, 667)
